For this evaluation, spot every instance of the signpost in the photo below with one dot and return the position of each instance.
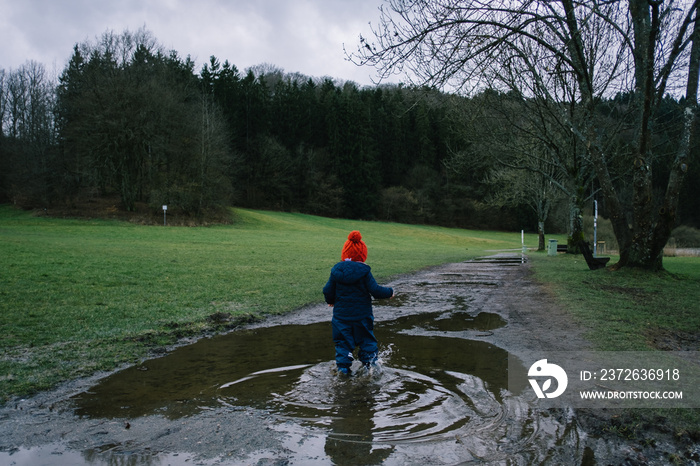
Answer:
(595, 229)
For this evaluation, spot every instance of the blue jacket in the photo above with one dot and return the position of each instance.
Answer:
(350, 289)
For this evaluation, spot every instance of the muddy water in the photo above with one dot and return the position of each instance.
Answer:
(439, 395)
(288, 369)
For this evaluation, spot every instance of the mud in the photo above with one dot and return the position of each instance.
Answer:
(267, 394)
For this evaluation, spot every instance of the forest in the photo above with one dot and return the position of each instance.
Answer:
(130, 121)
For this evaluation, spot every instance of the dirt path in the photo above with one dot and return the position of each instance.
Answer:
(45, 429)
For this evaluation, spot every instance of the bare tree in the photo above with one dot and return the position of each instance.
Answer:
(515, 187)
(16, 103)
(3, 100)
(26, 118)
(532, 136)
(570, 54)
(211, 156)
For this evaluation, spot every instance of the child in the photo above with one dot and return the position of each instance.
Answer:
(349, 290)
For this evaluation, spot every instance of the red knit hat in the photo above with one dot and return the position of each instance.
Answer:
(354, 249)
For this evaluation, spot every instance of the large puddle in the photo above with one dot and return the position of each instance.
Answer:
(437, 397)
(289, 370)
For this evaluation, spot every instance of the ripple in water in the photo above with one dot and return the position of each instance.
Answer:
(384, 405)
(436, 396)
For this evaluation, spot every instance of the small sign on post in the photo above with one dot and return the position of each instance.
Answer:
(595, 229)
(165, 209)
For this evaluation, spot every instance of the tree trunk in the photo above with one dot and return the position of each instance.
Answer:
(540, 233)
(667, 215)
(575, 225)
(643, 235)
(651, 230)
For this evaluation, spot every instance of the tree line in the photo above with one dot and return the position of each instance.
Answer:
(127, 119)
(571, 60)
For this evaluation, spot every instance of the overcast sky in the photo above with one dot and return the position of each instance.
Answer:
(305, 36)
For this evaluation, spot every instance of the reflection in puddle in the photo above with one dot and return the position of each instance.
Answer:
(506, 260)
(187, 380)
(436, 396)
(410, 397)
(59, 455)
(252, 367)
(449, 321)
(427, 387)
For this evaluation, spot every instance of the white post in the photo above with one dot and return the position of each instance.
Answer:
(165, 209)
(595, 229)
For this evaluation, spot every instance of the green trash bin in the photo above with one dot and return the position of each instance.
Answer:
(552, 250)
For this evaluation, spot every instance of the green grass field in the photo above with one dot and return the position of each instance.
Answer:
(628, 310)
(79, 296)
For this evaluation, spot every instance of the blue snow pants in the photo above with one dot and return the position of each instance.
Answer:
(349, 334)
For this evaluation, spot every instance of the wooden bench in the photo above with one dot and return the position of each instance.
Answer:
(594, 263)
(562, 248)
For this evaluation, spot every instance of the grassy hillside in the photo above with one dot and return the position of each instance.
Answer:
(78, 296)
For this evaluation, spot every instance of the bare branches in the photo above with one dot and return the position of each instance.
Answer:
(466, 45)
(565, 56)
